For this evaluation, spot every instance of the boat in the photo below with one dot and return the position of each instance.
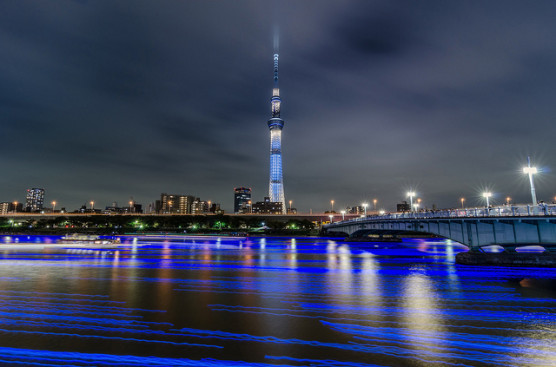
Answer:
(82, 239)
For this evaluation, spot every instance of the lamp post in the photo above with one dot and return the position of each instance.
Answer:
(15, 207)
(411, 194)
(508, 200)
(462, 201)
(365, 205)
(343, 215)
(210, 202)
(486, 195)
(374, 204)
(332, 205)
(53, 206)
(331, 218)
(531, 171)
(130, 206)
(92, 205)
(290, 202)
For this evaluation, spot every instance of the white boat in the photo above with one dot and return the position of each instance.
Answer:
(82, 239)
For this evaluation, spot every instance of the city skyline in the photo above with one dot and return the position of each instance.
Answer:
(104, 101)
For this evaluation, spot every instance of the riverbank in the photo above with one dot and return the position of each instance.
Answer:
(527, 259)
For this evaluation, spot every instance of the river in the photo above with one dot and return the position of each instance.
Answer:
(175, 301)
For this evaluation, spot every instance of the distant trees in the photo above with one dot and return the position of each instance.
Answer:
(155, 223)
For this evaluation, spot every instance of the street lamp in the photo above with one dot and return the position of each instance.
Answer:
(508, 199)
(290, 202)
(486, 195)
(331, 218)
(53, 206)
(343, 215)
(15, 207)
(332, 205)
(365, 205)
(92, 205)
(374, 204)
(411, 194)
(462, 200)
(210, 202)
(531, 171)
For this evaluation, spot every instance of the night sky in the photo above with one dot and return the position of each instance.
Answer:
(107, 100)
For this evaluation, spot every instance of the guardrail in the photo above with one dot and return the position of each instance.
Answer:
(499, 211)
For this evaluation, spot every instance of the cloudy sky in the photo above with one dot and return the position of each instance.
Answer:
(107, 100)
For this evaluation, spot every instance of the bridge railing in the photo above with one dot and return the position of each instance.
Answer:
(492, 212)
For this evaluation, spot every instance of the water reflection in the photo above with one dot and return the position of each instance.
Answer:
(269, 301)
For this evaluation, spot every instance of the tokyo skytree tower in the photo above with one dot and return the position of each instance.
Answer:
(276, 124)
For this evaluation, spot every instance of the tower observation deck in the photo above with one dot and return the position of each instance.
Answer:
(276, 124)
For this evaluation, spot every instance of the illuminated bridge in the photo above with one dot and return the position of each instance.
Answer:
(508, 226)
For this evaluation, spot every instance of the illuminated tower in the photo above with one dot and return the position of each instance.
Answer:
(276, 124)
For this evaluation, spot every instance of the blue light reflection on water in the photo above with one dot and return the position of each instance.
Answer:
(268, 301)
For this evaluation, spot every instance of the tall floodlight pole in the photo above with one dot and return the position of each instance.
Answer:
(411, 194)
(487, 195)
(531, 171)
(276, 124)
(365, 205)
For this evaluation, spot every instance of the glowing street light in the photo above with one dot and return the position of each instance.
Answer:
(290, 202)
(462, 201)
(331, 218)
(411, 194)
(508, 200)
(374, 203)
(92, 205)
(343, 214)
(332, 204)
(53, 206)
(531, 171)
(365, 205)
(486, 195)
(15, 206)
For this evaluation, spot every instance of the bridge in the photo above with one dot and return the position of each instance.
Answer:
(506, 226)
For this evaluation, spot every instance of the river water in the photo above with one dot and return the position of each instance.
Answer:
(178, 301)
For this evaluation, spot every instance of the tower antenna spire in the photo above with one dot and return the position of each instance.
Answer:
(276, 74)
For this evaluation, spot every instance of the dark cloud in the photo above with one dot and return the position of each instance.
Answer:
(105, 100)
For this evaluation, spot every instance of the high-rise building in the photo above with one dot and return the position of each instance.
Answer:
(175, 204)
(199, 206)
(242, 200)
(34, 200)
(5, 207)
(268, 207)
(276, 124)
